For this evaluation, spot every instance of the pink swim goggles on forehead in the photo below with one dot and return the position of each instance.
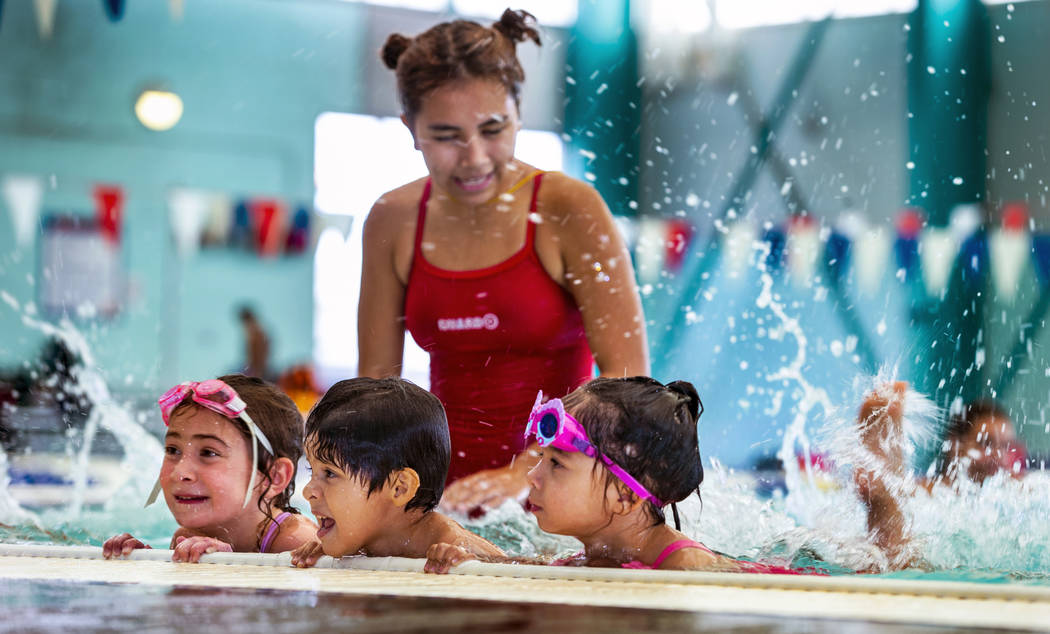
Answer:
(554, 427)
(219, 397)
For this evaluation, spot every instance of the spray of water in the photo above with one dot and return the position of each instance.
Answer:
(142, 452)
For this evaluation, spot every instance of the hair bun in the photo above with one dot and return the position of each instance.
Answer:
(395, 45)
(690, 395)
(517, 26)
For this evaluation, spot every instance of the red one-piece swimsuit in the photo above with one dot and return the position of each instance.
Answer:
(496, 336)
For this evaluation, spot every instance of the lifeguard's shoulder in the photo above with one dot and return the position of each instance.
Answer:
(561, 193)
(574, 206)
(394, 209)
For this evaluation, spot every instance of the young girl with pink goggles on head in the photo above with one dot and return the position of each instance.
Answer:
(615, 453)
(228, 474)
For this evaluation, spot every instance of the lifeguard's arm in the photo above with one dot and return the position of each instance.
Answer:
(381, 308)
(600, 276)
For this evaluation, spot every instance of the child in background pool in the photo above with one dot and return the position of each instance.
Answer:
(978, 442)
(224, 435)
(379, 453)
(615, 453)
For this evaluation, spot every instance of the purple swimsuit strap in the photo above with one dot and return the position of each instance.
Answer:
(272, 531)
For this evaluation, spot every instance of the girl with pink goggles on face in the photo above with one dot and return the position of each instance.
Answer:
(615, 452)
(219, 397)
(555, 428)
(213, 448)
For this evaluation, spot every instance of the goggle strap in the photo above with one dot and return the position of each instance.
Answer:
(631, 483)
(257, 437)
(257, 433)
(153, 494)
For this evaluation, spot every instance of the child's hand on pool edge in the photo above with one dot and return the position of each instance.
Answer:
(121, 546)
(307, 555)
(190, 549)
(441, 557)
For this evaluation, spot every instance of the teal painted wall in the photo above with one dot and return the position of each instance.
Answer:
(253, 76)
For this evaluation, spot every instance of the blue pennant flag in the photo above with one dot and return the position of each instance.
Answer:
(837, 254)
(907, 250)
(114, 9)
(973, 258)
(777, 241)
(1041, 255)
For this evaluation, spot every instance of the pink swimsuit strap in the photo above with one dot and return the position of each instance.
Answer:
(271, 532)
(672, 548)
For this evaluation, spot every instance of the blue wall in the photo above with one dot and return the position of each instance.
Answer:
(253, 77)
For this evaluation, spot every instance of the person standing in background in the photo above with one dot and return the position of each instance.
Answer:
(256, 344)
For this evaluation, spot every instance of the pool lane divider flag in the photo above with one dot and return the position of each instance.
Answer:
(269, 221)
(114, 9)
(109, 211)
(188, 211)
(45, 17)
(177, 9)
(23, 195)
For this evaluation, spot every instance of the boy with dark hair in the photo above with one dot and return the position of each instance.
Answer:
(379, 453)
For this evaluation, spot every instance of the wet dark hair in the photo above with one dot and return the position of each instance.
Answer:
(461, 49)
(962, 423)
(649, 429)
(279, 419)
(371, 428)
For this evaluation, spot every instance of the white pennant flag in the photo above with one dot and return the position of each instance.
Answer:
(938, 248)
(344, 223)
(1009, 251)
(177, 9)
(188, 211)
(649, 252)
(45, 17)
(802, 246)
(23, 195)
(871, 252)
(738, 247)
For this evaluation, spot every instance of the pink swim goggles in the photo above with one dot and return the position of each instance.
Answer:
(219, 397)
(554, 427)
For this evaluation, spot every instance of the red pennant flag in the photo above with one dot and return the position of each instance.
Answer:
(269, 224)
(1015, 216)
(679, 234)
(109, 206)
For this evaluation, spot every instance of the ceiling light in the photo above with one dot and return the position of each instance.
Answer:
(158, 109)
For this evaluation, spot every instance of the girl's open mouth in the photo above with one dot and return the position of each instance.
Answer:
(191, 499)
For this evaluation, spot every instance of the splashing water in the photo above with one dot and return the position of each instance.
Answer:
(142, 454)
(817, 520)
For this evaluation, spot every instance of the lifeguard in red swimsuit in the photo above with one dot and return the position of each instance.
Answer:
(513, 280)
